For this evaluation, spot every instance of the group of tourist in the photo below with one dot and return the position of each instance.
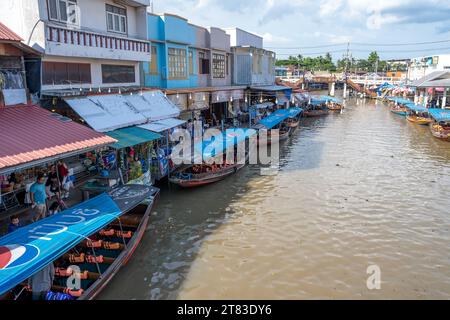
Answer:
(53, 186)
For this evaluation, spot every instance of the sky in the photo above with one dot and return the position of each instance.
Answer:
(292, 27)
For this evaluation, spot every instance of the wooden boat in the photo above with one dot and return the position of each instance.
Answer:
(292, 122)
(100, 255)
(201, 175)
(419, 120)
(401, 111)
(315, 112)
(441, 131)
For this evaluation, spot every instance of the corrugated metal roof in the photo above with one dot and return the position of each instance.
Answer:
(163, 125)
(440, 114)
(30, 133)
(114, 111)
(432, 76)
(7, 34)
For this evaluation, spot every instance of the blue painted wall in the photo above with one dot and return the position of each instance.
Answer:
(170, 29)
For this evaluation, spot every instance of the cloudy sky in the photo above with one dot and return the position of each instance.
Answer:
(297, 26)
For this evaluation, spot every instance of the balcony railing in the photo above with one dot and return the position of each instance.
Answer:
(95, 40)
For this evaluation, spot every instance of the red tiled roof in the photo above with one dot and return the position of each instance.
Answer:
(30, 133)
(8, 34)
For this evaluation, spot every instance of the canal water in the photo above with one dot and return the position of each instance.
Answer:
(358, 189)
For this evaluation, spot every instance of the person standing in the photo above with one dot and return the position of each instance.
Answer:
(38, 198)
(63, 173)
(42, 282)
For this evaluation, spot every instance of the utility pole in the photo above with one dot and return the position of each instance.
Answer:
(347, 57)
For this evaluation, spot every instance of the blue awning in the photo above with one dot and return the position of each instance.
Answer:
(440, 114)
(315, 101)
(399, 100)
(220, 143)
(275, 118)
(33, 247)
(294, 111)
(328, 98)
(132, 136)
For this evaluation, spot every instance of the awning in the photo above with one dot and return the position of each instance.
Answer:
(330, 99)
(440, 114)
(110, 112)
(220, 143)
(33, 247)
(132, 136)
(263, 105)
(31, 135)
(163, 125)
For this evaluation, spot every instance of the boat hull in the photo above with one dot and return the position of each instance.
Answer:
(206, 179)
(400, 112)
(439, 133)
(123, 258)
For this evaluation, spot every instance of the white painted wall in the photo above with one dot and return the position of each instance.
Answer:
(417, 69)
(241, 38)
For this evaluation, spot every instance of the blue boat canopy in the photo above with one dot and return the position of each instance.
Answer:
(220, 143)
(440, 114)
(330, 99)
(414, 107)
(33, 247)
(278, 116)
(399, 100)
(317, 101)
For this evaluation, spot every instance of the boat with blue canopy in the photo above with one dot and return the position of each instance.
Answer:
(318, 106)
(333, 104)
(440, 128)
(418, 114)
(285, 120)
(88, 242)
(212, 161)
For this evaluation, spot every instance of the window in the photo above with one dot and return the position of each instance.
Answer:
(177, 63)
(218, 65)
(65, 73)
(191, 62)
(203, 63)
(116, 19)
(227, 67)
(63, 11)
(154, 61)
(118, 74)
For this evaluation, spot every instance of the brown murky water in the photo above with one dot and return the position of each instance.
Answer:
(355, 189)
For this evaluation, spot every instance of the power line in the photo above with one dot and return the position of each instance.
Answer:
(363, 50)
(363, 44)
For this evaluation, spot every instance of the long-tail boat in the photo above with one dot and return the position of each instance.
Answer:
(283, 120)
(440, 127)
(399, 110)
(332, 103)
(212, 164)
(86, 245)
(317, 107)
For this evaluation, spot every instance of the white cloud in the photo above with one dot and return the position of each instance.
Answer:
(269, 38)
(328, 7)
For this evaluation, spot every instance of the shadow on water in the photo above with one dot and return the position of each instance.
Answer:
(183, 219)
